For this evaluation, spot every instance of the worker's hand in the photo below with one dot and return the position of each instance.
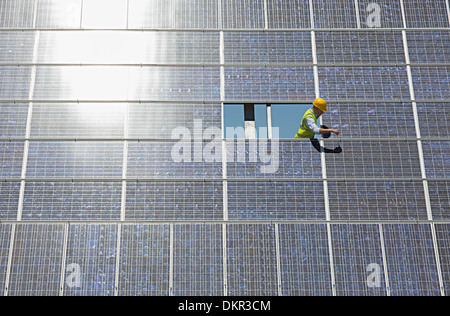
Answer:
(336, 131)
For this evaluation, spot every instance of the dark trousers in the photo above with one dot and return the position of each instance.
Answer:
(317, 146)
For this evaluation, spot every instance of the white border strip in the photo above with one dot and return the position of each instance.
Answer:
(385, 263)
(420, 151)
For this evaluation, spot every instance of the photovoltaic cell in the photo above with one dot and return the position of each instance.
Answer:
(91, 248)
(16, 46)
(128, 47)
(429, 46)
(144, 260)
(244, 14)
(436, 158)
(15, 82)
(78, 120)
(198, 248)
(116, 17)
(158, 160)
(174, 83)
(11, 157)
(37, 260)
(390, 13)
(174, 201)
(390, 200)
(75, 160)
(9, 200)
(5, 235)
(275, 200)
(434, 119)
(56, 14)
(81, 83)
(356, 254)
(269, 83)
(251, 260)
(270, 159)
(168, 14)
(72, 201)
(334, 14)
(13, 118)
(264, 48)
(370, 159)
(17, 13)
(439, 199)
(431, 83)
(429, 13)
(304, 260)
(371, 119)
(411, 262)
(360, 47)
(161, 120)
(289, 14)
(364, 83)
(443, 241)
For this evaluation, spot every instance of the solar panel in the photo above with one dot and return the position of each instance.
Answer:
(267, 48)
(434, 119)
(9, 200)
(72, 201)
(360, 47)
(390, 14)
(91, 250)
(36, 260)
(198, 248)
(411, 263)
(144, 260)
(97, 197)
(174, 201)
(372, 120)
(304, 260)
(390, 200)
(439, 199)
(364, 83)
(5, 242)
(251, 260)
(426, 13)
(288, 201)
(357, 253)
(442, 236)
(269, 83)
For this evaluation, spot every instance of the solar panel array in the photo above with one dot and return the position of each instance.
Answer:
(93, 93)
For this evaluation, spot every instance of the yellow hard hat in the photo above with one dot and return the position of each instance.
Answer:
(321, 104)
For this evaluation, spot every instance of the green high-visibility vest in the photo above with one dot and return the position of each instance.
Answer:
(304, 131)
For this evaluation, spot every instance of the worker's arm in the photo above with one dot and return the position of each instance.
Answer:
(317, 130)
(328, 130)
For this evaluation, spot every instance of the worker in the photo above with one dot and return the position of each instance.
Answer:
(309, 128)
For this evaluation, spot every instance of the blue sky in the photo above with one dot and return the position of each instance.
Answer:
(285, 116)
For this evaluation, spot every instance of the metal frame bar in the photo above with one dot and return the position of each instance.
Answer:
(448, 10)
(277, 247)
(228, 222)
(322, 154)
(420, 150)
(63, 260)
(221, 64)
(206, 30)
(115, 101)
(134, 139)
(369, 179)
(385, 262)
